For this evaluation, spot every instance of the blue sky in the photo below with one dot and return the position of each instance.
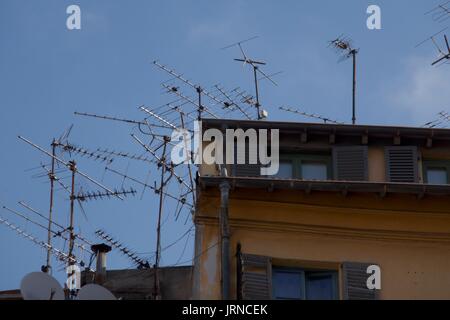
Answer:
(47, 72)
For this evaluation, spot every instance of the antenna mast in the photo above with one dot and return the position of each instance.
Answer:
(158, 230)
(345, 45)
(73, 169)
(256, 68)
(51, 175)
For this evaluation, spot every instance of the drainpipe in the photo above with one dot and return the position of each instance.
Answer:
(100, 271)
(225, 236)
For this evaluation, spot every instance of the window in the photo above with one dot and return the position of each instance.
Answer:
(303, 284)
(304, 166)
(436, 171)
(285, 171)
(314, 170)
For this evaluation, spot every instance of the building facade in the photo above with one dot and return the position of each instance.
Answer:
(346, 197)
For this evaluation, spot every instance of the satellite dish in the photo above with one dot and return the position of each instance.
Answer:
(95, 292)
(40, 286)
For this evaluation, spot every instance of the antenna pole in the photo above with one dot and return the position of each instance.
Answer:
(51, 175)
(200, 107)
(73, 168)
(345, 45)
(257, 105)
(191, 180)
(354, 52)
(158, 230)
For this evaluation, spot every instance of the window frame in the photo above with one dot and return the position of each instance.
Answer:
(429, 164)
(297, 159)
(303, 272)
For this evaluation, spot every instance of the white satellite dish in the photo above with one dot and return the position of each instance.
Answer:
(40, 286)
(95, 292)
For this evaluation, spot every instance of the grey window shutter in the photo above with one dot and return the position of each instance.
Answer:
(350, 163)
(355, 282)
(256, 277)
(401, 164)
(247, 169)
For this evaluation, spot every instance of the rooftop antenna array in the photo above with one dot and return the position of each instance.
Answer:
(175, 183)
(52, 177)
(72, 166)
(345, 48)
(163, 182)
(157, 126)
(256, 65)
(200, 91)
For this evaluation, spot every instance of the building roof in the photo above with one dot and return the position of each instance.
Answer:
(328, 128)
(344, 187)
(135, 284)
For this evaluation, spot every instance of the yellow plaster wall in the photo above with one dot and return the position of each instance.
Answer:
(407, 237)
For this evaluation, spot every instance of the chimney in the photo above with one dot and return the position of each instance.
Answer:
(100, 271)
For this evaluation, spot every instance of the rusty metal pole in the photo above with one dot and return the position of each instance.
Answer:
(190, 158)
(225, 239)
(51, 176)
(200, 107)
(158, 230)
(256, 91)
(73, 168)
(354, 52)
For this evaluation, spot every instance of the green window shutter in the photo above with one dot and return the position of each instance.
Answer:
(355, 282)
(255, 276)
(401, 164)
(350, 163)
(246, 169)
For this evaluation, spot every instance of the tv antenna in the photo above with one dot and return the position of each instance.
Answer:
(200, 90)
(443, 54)
(344, 47)
(141, 263)
(181, 200)
(59, 226)
(72, 166)
(255, 64)
(310, 115)
(440, 13)
(52, 177)
(56, 252)
(440, 122)
(54, 233)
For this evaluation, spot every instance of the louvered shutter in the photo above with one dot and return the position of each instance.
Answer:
(350, 163)
(401, 164)
(246, 169)
(355, 282)
(255, 276)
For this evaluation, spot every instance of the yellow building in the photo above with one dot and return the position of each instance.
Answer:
(346, 197)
